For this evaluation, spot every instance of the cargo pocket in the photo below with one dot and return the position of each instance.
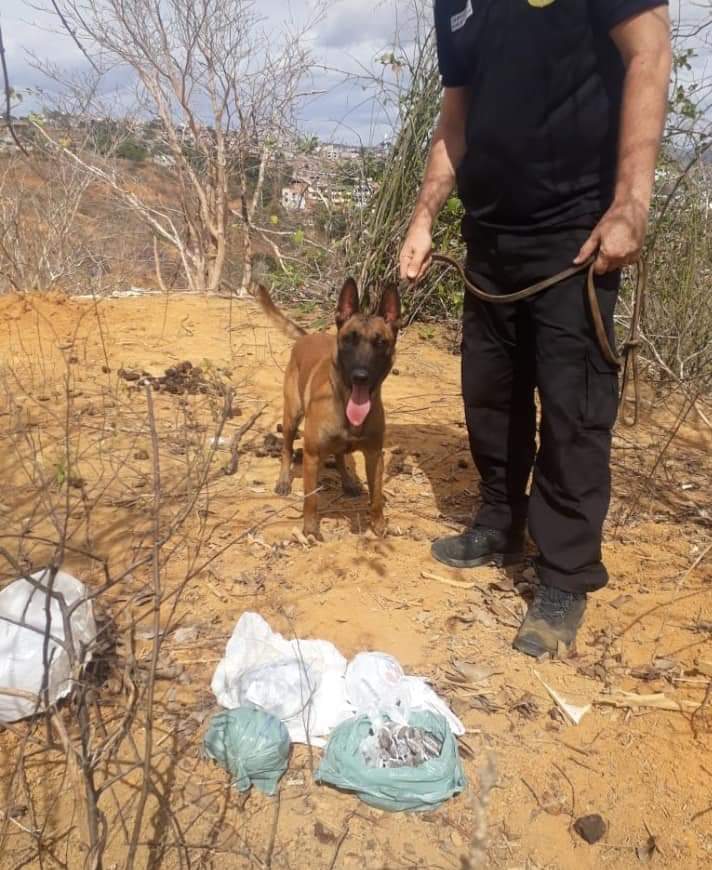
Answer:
(601, 393)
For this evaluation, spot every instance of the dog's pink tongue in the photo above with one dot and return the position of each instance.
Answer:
(359, 404)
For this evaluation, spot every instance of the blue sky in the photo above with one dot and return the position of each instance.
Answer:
(350, 37)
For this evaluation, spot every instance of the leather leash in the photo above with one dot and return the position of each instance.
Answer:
(627, 360)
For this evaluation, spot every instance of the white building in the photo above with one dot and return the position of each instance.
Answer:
(294, 196)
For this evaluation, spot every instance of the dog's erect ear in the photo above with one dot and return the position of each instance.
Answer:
(390, 307)
(348, 302)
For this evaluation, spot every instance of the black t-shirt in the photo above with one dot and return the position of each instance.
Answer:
(545, 87)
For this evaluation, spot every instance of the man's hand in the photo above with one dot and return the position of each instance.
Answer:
(446, 152)
(415, 256)
(617, 238)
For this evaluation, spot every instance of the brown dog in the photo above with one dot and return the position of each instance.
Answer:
(334, 384)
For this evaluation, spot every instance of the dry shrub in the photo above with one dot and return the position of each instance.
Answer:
(678, 317)
(113, 483)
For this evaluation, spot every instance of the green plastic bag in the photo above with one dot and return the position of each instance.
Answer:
(393, 788)
(253, 746)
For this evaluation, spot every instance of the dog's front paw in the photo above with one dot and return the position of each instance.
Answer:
(379, 525)
(311, 531)
(283, 487)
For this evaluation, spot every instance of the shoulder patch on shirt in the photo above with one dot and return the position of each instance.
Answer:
(458, 21)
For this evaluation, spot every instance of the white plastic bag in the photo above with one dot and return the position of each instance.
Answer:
(272, 687)
(376, 685)
(22, 657)
(307, 684)
(299, 681)
(424, 697)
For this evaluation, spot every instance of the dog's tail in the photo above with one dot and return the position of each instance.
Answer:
(281, 321)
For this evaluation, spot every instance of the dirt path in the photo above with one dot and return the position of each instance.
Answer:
(645, 771)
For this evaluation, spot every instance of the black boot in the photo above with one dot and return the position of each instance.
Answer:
(551, 623)
(479, 546)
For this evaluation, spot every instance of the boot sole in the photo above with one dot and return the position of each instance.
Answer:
(535, 650)
(496, 560)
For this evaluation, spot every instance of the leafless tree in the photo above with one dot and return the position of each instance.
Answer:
(223, 90)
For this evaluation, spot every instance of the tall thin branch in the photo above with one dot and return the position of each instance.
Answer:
(147, 785)
(73, 34)
(8, 98)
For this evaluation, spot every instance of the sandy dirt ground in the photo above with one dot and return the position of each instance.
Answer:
(646, 771)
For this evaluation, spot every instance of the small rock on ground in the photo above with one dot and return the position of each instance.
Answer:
(590, 828)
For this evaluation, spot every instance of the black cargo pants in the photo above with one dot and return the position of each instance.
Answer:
(548, 343)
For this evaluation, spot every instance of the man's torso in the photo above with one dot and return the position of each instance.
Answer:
(545, 83)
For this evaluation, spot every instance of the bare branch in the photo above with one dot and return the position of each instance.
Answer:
(73, 35)
(8, 98)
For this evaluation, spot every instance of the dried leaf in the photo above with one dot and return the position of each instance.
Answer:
(471, 673)
(483, 703)
(594, 671)
(187, 634)
(503, 584)
(572, 713)
(503, 614)
(485, 619)
(526, 706)
(456, 621)
(452, 622)
(656, 670)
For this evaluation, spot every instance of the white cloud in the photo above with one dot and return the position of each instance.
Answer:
(348, 43)
(352, 24)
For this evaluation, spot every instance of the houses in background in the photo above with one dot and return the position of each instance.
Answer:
(330, 175)
(336, 151)
(304, 195)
